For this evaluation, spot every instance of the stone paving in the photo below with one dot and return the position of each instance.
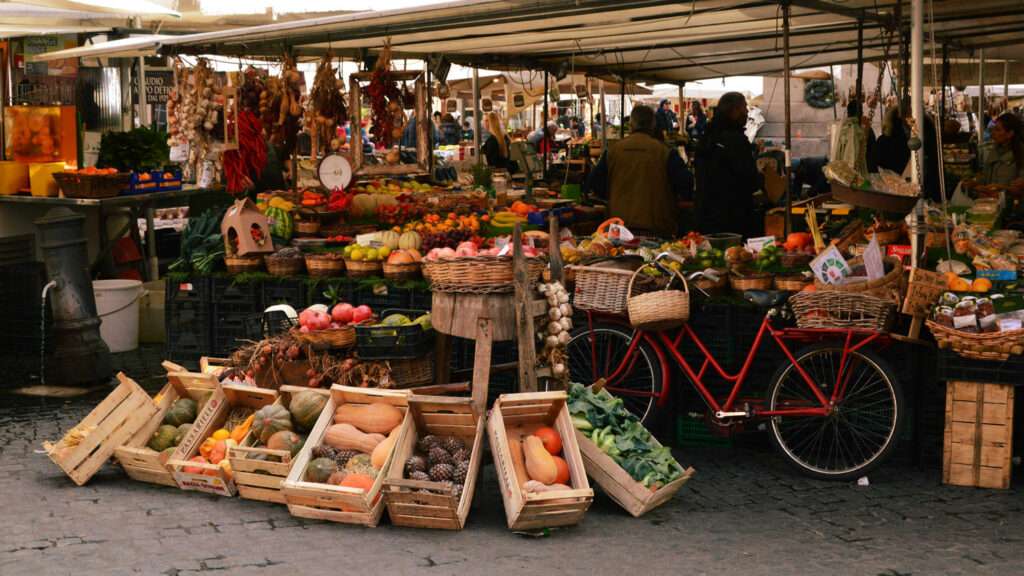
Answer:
(744, 512)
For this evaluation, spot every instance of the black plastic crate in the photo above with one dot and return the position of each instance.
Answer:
(195, 290)
(230, 325)
(394, 342)
(247, 295)
(291, 291)
(381, 296)
(421, 299)
(952, 366)
(188, 332)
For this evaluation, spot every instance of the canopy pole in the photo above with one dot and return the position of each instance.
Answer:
(1006, 82)
(945, 81)
(476, 117)
(682, 112)
(430, 112)
(917, 110)
(981, 96)
(788, 109)
(144, 118)
(544, 128)
(622, 108)
(860, 63)
(604, 121)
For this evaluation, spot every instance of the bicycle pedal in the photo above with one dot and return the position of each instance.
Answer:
(722, 415)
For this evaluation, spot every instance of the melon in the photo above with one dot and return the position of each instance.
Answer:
(181, 433)
(270, 420)
(163, 438)
(410, 240)
(389, 238)
(306, 408)
(384, 200)
(363, 205)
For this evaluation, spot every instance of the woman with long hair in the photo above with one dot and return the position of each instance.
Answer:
(495, 148)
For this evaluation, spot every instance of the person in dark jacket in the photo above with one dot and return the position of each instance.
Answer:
(495, 148)
(451, 133)
(698, 123)
(643, 179)
(665, 118)
(891, 150)
(727, 175)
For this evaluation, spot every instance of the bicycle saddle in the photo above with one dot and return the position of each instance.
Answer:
(765, 298)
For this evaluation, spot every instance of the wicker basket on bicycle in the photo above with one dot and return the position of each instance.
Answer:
(605, 288)
(833, 309)
(978, 346)
(889, 287)
(661, 309)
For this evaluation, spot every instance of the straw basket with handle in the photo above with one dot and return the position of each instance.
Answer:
(661, 309)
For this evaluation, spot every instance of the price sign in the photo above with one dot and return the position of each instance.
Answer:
(830, 267)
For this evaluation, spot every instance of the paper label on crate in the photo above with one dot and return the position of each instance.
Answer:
(206, 175)
(1007, 324)
(755, 245)
(961, 322)
(873, 260)
(179, 153)
(620, 233)
(830, 267)
(185, 287)
(380, 289)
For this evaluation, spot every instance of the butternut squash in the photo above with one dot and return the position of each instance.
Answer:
(515, 447)
(539, 463)
(377, 417)
(348, 437)
(380, 454)
(540, 488)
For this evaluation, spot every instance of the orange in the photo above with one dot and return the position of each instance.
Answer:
(960, 285)
(981, 285)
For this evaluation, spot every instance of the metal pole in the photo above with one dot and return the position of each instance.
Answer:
(604, 121)
(476, 117)
(682, 120)
(144, 118)
(789, 120)
(860, 63)
(981, 95)
(544, 127)
(917, 110)
(1006, 81)
(945, 81)
(622, 108)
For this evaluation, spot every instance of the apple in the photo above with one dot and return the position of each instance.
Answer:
(304, 329)
(342, 313)
(335, 325)
(361, 314)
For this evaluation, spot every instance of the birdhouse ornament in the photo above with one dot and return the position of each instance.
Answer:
(246, 230)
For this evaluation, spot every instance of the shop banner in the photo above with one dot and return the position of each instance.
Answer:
(158, 86)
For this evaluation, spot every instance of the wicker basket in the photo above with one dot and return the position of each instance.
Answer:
(796, 259)
(362, 268)
(324, 265)
(891, 236)
(401, 271)
(240, 265)
(310, 223)
(478, 274)
(750, 282)
(661, 309)
(889, 286)
(791, 283)
(92, 186)
(997, 346)
(605, 289)
(327, 339)
(708, 285)
(415, 372)
(841, 310)
(278, 266)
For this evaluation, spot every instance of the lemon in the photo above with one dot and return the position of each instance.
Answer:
(221, 434)
(348, 249)
(383, 252)
(370, 254)
(357, 254)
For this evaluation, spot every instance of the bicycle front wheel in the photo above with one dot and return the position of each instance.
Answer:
(861, 430)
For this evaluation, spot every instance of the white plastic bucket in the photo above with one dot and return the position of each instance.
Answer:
(117, 303)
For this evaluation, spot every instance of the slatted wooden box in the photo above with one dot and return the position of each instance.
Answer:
(530, 511)
(140, 462)
(110, 424)
(336, 503)
(212, 478)
(261, 479)
(978, 444)
(441, 416)
(619, 485)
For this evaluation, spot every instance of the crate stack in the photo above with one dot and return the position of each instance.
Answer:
(187, 310)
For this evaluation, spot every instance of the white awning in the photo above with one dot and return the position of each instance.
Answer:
(136, 46)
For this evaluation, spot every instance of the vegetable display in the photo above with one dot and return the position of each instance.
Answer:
(246, 163)
(386, 115)
(202, 245)
(325, 110)
(618, 433)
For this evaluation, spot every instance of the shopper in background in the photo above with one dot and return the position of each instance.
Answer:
(891, 151)
(1002, 159)
(643, 179)
(595, 128)
(697, 121)
(467, 131)
(727, 175)
(543, 140)
(495, 148)
(451, 134)
(665, 118)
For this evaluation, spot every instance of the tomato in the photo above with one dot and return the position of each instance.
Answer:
(552, 441)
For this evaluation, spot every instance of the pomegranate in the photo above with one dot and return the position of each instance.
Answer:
(361, 314)
(342, 313)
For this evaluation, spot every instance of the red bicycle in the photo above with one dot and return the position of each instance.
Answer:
(833, 407)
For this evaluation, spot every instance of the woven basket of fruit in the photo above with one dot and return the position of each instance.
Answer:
(752, 281)
(286, 262)
(815, 309)
(604, 288)
(994, 346)
(93, 186)
(478, 274)
(242, 264)
(325, 264)
(890, 286)
(791, 283)
(329, 338)
(363, 268)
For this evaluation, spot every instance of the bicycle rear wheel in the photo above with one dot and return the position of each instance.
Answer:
(599, 352)
(859, 433)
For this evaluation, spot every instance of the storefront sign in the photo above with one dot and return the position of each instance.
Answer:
(486, 105)
(158, 86)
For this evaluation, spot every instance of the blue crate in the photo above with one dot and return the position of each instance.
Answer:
(156, 182)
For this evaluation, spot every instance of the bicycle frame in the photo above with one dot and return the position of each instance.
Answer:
(853, 340)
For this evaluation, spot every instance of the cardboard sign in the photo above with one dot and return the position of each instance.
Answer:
(830, 267)
(755, 245)
(873, 260)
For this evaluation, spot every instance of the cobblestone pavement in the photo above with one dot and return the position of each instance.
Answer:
(744, 512)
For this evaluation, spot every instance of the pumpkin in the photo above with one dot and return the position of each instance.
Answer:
(320, 470)
(540, 465)
(563, 470)
(380, 454)
(306, 407)
(348, 437)
(165, 456)
(360, 464)
(363, 205)
(388, 238)
(285, 440)
(362, 482)
(181, 432)
(182, 411)
(269, 420)
(376, 417)
(410, 240)
(552, 441)
(163, 438)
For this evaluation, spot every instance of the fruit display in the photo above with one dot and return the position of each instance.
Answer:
(537, 460)
(214, 448)
(319, 317)
(604, 419)
(363, 253)
(442, 459)
(356, 447)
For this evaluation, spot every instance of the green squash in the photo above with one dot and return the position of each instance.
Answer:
(270, 420)
(163, 438)
(306, 407)
(181, 433)
(182, 411)
(320, 469)
(286, 440)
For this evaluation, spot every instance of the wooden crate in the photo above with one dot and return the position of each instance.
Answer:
(619, 485)
(211, 365)
(140, 462)
(551, 509)
(444, 417)
(977, 450)
(337, 503)
(110, 424)
(213, 479)
(261, 479)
